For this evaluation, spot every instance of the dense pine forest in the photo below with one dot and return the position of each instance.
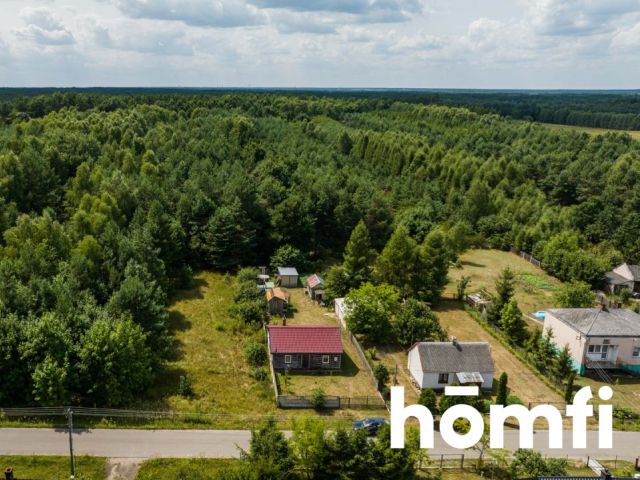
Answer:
(109, 202)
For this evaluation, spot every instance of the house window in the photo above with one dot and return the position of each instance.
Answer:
(636, 352)
(287, 359)
(595, 348)
(443, 378)
(325, 359)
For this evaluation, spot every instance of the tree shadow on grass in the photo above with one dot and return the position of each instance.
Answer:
(447, 305)
(166, 384)
(468, 263)
(193, 292)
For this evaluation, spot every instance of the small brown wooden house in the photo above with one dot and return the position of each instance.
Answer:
(278, 301)
(305, 347)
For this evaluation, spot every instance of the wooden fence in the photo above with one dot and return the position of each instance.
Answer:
(530, 259)
(331, 402)
(367, 366)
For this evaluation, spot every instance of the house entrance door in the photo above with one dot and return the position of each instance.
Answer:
(306, 360)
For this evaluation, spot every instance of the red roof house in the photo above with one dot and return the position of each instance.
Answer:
(306, 347)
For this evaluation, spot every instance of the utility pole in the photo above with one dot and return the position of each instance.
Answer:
(73, 461)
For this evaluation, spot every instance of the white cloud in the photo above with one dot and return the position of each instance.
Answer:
(203, 13)
(143, 37)
(43, 27)
(628, 39)
(5, 55)
(578, 17)
(351, 11)
(287, 22)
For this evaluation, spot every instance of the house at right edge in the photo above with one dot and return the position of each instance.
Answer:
(598, 338)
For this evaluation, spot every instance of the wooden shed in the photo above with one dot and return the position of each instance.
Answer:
(315, 287)
(287, 277)
(278, 301)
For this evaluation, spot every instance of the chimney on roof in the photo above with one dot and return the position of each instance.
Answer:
(284, 320)
(454, 340)
(602, 306)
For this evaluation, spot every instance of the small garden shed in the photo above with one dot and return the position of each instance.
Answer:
(287, 277)
(278, 301)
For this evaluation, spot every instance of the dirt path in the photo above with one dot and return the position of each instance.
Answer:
(522, 381)
(123, 468)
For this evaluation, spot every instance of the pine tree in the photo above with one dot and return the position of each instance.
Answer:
(563, 365)
(502, 392)
(568, 389)
(430, 271)
(397, 261)
(505, 285)
(358, 256)
(511, 322)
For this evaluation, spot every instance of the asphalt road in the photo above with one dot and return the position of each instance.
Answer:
(225, 443)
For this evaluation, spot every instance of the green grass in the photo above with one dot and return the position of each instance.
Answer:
(214, 359)
(534, 288)
(591, 130)
(534, 281)
(54, 468)
(184, 468)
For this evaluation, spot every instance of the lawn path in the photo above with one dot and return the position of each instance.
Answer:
(522, 381)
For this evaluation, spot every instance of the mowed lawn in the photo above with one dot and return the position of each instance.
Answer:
(353, 379)
(184, 468)
(534, 287)
(211, 354)
(55, 467)
(522, 381)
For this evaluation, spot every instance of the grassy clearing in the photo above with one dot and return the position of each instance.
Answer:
(626, 394)
(591, 130)
(522, 381)
(534, 287)
(54, 467)
(184, 468)
(211, 353)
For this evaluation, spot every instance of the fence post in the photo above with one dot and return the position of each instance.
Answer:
(462, 462)
(441, 460)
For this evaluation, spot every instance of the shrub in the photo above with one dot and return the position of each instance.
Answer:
(256, 354)
(260, 374)
(381, 372)
(428, 399)
(219, 326)
(250, 312)
(318, 399)
(514, 400)
(185, 387)
(371, 353)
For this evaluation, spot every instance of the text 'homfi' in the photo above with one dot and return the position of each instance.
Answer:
(579, 411)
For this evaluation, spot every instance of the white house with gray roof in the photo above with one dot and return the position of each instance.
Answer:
(597, 337)
(438, 364)
(623, 276)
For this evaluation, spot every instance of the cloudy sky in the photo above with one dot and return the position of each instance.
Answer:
(321, 43)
